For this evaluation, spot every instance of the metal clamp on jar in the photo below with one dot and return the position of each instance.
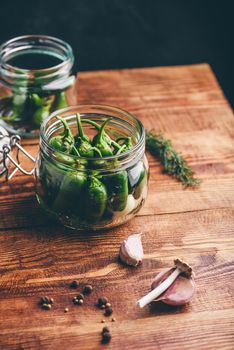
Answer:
(7, 144)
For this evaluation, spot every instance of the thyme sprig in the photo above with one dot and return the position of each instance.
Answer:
(174, 164)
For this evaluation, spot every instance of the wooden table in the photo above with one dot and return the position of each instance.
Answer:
(38, 258)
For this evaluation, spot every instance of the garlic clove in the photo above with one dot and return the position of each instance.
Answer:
(180, 291)
(170, 288)
(131, 250)
(130, 206)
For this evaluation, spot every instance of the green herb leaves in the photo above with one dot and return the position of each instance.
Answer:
(174, 164)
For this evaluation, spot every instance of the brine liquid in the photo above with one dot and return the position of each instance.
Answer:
(34, 60)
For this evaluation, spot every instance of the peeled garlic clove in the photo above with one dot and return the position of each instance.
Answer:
(131, 250)
(180, 291)
(130, 206)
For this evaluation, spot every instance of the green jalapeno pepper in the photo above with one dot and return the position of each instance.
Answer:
(31, 108)
(66, 159)
(127, 142)
(82, 142)
(65, 141)
(42, 112)
(106, 137)
(80, 132)
(51, 177)
(100, 142)
(85, 149)
(117, 189)
(36, 99)
(18, 106)
(95, 198)
(68, 199)
(60, 100)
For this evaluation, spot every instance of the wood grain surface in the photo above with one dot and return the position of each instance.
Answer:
(38, 258)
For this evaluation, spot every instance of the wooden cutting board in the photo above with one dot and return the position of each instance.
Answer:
(38, 258)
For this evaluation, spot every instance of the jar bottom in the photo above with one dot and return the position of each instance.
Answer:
(79, 225)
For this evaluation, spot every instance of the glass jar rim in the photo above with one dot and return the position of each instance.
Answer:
(23, 43)
(107, 108)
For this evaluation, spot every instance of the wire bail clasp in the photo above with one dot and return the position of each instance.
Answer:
(7, 144)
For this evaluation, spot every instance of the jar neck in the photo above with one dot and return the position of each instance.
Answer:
(48, 78)
(121, 121)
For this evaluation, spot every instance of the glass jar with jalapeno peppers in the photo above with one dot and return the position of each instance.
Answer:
(35, 80)
(91, 171)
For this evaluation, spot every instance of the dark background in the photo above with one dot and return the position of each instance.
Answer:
(126, 33)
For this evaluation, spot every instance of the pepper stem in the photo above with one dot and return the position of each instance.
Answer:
(76, 151)
(79, 126)
(101, 131)
(67, 131)
(148, 298)
(97, 151)
(122, 138)
(98, 127)
(91, 122)
(120, 150)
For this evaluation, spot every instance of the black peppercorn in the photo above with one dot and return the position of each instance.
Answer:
(106, 337)
(80, 296)
(46, 301)
(105, 329)
(46, 306)
(108, 311)
(101, 302)
(74, 284)
(43, 301)
(75, 300)
(87, 289)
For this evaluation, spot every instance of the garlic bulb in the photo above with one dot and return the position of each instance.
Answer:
(131, 250)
